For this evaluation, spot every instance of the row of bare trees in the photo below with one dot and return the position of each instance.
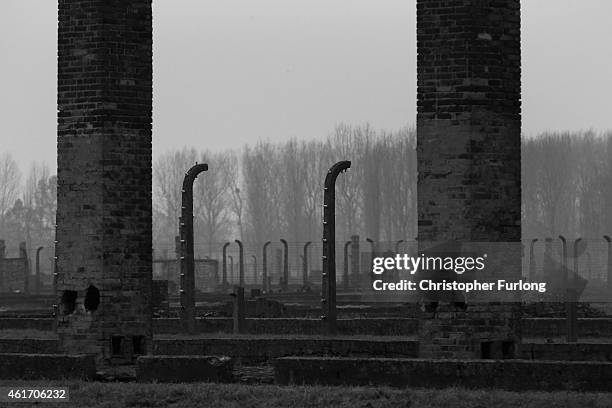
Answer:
(567, 185)
(274, 190)
(27, 208)
(268, 191)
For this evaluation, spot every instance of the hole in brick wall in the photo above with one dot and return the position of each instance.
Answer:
(497, 349)
(92, 298)
(508, 349)
(138, 343)
(430, 307)
(117, 345)
(69, 298)
(486, 349)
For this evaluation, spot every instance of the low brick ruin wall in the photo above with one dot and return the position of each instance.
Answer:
(46, 367)
(491, 374)
(256, 350)
(556, 327)
(381, 326)
(27, 323)
(203, 325)
(369, 326)
(184, 369)
(34, 346)
(567, 352)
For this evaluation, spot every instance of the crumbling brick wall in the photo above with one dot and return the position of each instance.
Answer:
(468, 149)
(104, 214)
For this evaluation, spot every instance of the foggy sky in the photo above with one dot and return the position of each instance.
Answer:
(229, 72)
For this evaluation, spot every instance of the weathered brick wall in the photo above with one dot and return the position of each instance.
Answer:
(468, 149)
(104, 213)
(47, 367)
(14, 272)
(28, 345)
(516, 375)
(469, 120)
(185, 369)
(260, 349)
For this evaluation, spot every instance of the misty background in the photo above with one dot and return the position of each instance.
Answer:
(271, 93)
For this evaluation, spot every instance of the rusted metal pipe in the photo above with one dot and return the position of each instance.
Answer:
(38, 269)
(187, 264)
(305, 264)
(609, 281)
(345, 271)
(264, 267)
(564, 268)
(285, 283)
(254, 268)
(23, 254)
(224, 283)
(572, 298)
(240, 262)
(329, 246)
(397, 244)
(372, 256)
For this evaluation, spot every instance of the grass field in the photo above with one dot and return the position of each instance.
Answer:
(109, 395)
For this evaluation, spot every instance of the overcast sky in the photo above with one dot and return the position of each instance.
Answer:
(228, 72)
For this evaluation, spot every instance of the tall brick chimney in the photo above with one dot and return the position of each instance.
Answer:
(468, 149)
(104, 214)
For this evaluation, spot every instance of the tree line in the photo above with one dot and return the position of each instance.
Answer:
(267, 191)
(27, 210)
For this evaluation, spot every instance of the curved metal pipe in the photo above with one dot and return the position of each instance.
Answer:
(397, 244)
(240, 262)
(372, 245)
(329, 246)
(565, 270)
(186, 248)
(576, 264)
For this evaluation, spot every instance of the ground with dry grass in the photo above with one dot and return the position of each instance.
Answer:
(108, 395)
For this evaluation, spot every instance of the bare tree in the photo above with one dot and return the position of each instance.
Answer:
(317, 162)
(293, 178)
(260, 171)
(168, 174)
(10, 181)
(213, 197)
(348, 144)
